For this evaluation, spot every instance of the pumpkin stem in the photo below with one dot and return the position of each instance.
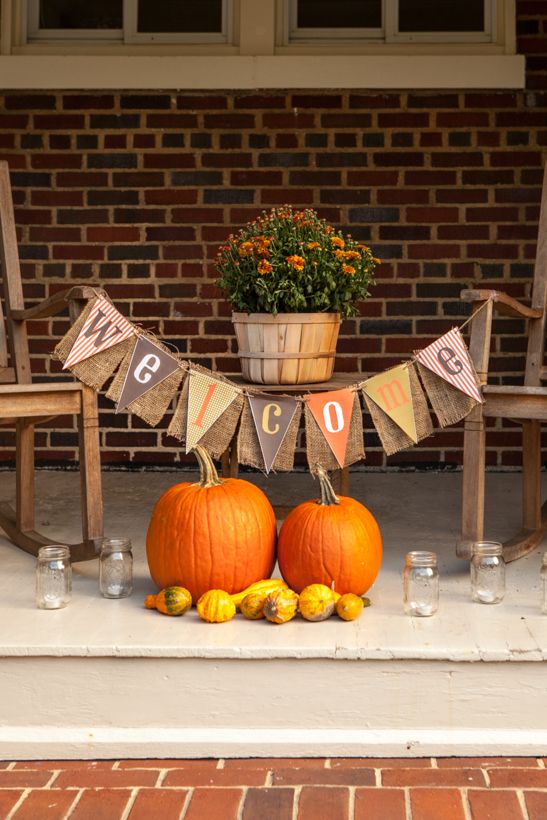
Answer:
(208, 476)
(328, 496)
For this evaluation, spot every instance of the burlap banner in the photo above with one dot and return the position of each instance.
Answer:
(216, 439)
(152, 405)
(392, 436)
(96, 370)
(210, 407)
(268, 432)
(319, 451)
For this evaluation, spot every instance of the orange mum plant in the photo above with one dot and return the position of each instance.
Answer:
(289, 261)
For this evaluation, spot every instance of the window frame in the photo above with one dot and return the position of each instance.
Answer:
(128, 35)
(389, 33)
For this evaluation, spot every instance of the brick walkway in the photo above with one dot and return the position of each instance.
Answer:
(276, 789)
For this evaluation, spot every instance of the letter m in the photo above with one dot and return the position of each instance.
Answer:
(393, 395)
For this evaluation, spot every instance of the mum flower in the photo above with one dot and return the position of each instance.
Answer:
(246, 249)
(313, 245)
(264, 266)
(348, 269)
(296, 262)
(338, 242)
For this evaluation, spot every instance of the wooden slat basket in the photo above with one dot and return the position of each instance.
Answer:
(290, 348)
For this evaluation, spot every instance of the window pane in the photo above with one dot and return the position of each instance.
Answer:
(339, 14)
(441, 15)
(76, 14)
(179, 16)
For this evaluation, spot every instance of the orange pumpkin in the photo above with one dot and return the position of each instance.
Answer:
(332, 541)
(215, 534)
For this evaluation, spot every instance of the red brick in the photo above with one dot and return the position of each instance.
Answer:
(432, 804)
(267, 763)
(101, 804)
(494, 805)
(25, 779)
(164, 803)
(536, 804)
(214, 804)
(323, 777)
(112, 233)
(381, 762)
(269, 804)
(433, 777)
(51, 765)
(8, 799)
(47, 804)
(380, 804)
(518, 778)
(486, 762)
(215, 777)
(316, 803)
(53, 161)
(101, 778)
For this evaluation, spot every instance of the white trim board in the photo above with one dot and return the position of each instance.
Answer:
(247, 72)
(131, 707)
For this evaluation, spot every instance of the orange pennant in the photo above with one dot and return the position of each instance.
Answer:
(332, 412)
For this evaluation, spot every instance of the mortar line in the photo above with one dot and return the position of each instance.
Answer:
(351, 802)
(77, 798)
(21, 800)
(296, 801)
(522, 803)
(465, 803)
(189, 795)
(130, 803)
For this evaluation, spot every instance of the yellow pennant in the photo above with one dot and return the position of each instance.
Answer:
(207, 401)
(391, 392)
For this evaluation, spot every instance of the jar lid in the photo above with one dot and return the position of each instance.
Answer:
(116, 545)
(421, 558)
(487, 548)
(53, 552)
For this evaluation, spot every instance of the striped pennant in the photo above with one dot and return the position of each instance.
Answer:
(104, 327)
(449, 358)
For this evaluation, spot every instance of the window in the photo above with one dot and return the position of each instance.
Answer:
(132, 21)
(390, 20)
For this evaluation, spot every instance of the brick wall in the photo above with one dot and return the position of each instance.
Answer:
(136, 191)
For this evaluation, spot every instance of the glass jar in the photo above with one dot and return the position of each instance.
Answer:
(116, 568)
(421, 584)
(487, 572)
(544, 584)
(53, 577)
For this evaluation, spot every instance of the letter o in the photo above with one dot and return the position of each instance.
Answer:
(327, 417)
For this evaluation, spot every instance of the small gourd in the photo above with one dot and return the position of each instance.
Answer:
(170, 601)
(281, 606)
(216, 606)
(263, 587)
(349, 606)
(316, 602)
(252, 606)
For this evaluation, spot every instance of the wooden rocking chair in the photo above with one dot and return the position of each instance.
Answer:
(24, 404)
(526, 404)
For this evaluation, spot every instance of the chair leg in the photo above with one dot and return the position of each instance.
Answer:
(24, 480)
(531, 475)
(473, 483)
(90, 469)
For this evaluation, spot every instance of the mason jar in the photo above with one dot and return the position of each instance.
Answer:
(53, 577)
(116, 568)
(421, 584)
(544, 584)
(487, 572)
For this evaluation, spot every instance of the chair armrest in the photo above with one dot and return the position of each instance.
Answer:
(56, 303)
(503, 304)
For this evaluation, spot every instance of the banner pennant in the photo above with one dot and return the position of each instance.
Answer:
(149, 366)
(449, 358)
(208, 398)
(332, 412)
(272, 416)
(392, 392)
(105, 327)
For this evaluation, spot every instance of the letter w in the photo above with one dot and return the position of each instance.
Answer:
(101, 331)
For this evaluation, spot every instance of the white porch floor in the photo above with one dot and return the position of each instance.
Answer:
(109, 678)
